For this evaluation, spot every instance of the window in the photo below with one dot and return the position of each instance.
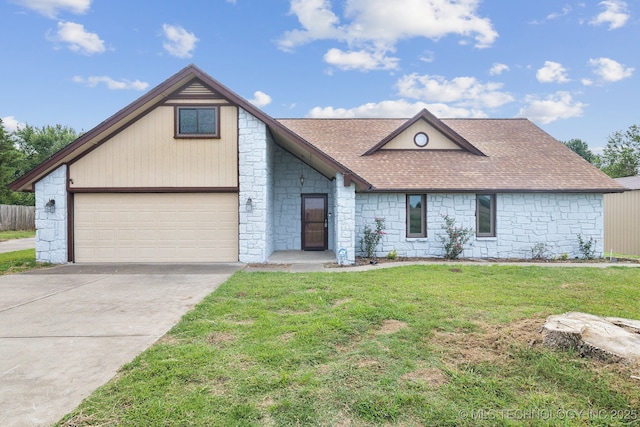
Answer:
(416, 215)
(486, 215)
(197, 122)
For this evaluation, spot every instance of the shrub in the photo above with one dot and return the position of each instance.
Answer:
(455, 238)
(369, 243)
(392, 254)
(587, 247)
(540, 251)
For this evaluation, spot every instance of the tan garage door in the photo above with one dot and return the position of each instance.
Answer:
(156, 227)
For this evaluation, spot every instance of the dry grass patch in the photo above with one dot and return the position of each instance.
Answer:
(432, 376)
(491, 345)
(218, 338)
(340, 302)
(390, 327)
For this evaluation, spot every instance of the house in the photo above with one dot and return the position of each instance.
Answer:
(621, 218)
(191, 172)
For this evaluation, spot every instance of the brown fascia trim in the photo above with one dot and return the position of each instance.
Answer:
(436, 123)
(308, 146)
(493, 190)
(85, 138)
(271, 122)
(154, 190)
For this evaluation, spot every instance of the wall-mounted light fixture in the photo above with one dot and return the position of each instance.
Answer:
(50, 206)
(301, 179)
(249, 205)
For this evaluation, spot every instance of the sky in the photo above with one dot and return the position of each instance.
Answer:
(572, 67)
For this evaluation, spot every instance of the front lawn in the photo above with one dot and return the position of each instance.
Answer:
(16, 234)
(415, 345)
(18, 261)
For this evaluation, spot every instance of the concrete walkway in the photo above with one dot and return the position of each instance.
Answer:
(17, 244)
(64, 331)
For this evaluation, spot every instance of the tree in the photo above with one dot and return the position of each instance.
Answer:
(8, 159)
(621, 156)
(24, 149)
(581, 148)
(38, 144)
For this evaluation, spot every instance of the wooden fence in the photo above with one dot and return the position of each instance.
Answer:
(17, 217)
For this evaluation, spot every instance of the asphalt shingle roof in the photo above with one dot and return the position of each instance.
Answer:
(519, 157)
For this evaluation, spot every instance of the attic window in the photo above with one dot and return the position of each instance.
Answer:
(197, 122)
(421, 139)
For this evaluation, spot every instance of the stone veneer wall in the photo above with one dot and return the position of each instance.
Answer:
(255, 166)
(346, 210)
(51, 228)
(522, 220)
(287, 192)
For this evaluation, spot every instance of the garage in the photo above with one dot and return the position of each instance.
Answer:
(150, 227)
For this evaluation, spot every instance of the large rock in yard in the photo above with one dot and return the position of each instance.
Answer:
(605, 338)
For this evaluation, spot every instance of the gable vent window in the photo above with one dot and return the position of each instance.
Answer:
(197, 122)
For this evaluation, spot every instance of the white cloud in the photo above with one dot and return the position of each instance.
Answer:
(11, 124)
(371, 28)
(390, 109)
(77, 38)
(615, 14)
(318, 21)
(554, 107)
(111, 84)
(51, 8)
(556, 15)
(260, 99)
(179, 42)
(360, 60)
(552, 72)
(498, 69)
(462, 91)
(610, 70)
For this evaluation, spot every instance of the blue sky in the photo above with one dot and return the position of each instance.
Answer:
(569, 66)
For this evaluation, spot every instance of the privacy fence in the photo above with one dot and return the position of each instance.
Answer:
(17, 217)
(622, 222)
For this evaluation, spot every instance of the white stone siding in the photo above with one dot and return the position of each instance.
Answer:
(345, 212)
(287, 211)
(522, 221)
(51, 228)
(255, 155)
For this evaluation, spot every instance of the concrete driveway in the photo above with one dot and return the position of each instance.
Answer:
(64, 331)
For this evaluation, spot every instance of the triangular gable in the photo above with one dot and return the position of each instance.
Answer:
(189, 81)
(440, 136)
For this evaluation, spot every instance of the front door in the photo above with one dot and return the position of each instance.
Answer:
(314, 222)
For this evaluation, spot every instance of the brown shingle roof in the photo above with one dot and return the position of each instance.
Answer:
(519, 157)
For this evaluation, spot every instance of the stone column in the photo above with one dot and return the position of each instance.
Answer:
(51, 227)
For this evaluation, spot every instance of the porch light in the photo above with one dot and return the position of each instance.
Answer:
(249, 205)
(50, 206)
(301, 179)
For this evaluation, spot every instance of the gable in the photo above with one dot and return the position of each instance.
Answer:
(405, 139)
(442, 133)
(146, 155)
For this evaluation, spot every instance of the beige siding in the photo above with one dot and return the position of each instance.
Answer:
(437, 141)
(146, 154)
(156, 227)
(622, 222)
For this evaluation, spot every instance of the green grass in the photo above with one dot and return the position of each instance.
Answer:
(617, 255)
(18, 261)
(415, 345)
(16, 234)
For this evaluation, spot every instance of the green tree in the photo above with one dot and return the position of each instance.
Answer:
(9, 157)
(621, 156)
(581, 148)
(38, 144)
